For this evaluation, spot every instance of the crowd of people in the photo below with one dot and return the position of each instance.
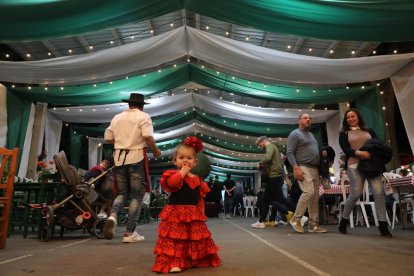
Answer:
(288, 197)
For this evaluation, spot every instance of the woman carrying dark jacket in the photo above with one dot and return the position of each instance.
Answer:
(352, 138)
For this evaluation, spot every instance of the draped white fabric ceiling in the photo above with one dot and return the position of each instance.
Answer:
(243, 59)
(169, 104)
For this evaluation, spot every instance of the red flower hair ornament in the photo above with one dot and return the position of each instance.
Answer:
(194, 142)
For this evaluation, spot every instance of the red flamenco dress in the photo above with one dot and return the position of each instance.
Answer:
(184, 240)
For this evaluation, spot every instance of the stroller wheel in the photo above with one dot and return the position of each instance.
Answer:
(98, 227)
(45, 233)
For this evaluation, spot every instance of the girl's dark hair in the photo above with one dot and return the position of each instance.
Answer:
(345, 125)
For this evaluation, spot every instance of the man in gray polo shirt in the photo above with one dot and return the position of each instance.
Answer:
(303, 155)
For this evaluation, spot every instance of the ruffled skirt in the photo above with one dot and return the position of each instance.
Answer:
(184, 240)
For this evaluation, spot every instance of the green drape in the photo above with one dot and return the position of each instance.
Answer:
(174, 76)
(18, 115)
(75, 148)
(371, 110)
(356, 20)
(41, 19)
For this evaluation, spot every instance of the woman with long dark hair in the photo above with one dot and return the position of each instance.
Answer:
(352, 137)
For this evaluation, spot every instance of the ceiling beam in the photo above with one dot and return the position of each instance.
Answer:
(84, 43)
(117, 37)
(232, 32)
(265, 40)
(332, 46)
(19, 50)
(298, 45)
(184, 17)
(51, 48)
(150, 27)
(197, 21)
(361, 48)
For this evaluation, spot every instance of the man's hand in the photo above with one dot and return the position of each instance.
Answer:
(297, 172)
(157, 153)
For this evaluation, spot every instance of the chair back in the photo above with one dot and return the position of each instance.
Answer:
(343, 188)
(388, 175)
(8, 163)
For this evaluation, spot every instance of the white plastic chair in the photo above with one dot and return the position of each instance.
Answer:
(249, 203)
(410, 201)
(358, 203)
(366, 201)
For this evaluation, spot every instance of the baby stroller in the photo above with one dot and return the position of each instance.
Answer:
(74, 211)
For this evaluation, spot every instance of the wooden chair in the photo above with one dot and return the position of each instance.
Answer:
(8, 159)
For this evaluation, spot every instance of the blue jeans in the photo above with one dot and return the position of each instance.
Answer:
(228, 205)
(356, 182)
(130, 180)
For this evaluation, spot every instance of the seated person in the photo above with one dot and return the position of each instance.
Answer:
(94, 172)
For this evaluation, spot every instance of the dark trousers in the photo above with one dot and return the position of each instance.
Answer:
(238, 200)
(273, 194)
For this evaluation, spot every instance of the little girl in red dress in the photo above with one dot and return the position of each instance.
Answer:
(184, 240)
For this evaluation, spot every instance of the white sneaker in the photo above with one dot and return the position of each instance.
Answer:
(175, 270)
(134, 237)
(109, 228)
(259, 225)
(102, 215)
(281, 222)
(303, 220)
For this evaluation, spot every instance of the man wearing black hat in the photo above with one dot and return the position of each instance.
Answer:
(131, 132)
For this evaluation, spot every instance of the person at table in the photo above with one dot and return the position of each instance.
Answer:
(96, 170)
(352, 137)
(93, 173)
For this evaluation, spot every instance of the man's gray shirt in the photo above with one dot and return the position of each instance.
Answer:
(302, 148)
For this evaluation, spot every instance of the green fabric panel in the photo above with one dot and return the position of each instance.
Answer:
(107, 151)
(104, 93)
(356, 20)
(229, 145)
(248, 128)
(43, 19)
(370, 108)
(18, 114)
(226, 157)
(244, 127)
(75, 148)
(280, 93)
(94, 131)
(156, 82)
(222, 168)
(317, 132)
(168, 121)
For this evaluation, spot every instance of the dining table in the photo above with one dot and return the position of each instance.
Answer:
(26, 197)
(334, 190)
(404, 186)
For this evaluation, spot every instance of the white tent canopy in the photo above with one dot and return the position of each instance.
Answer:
(170, 104)
(246, 60)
